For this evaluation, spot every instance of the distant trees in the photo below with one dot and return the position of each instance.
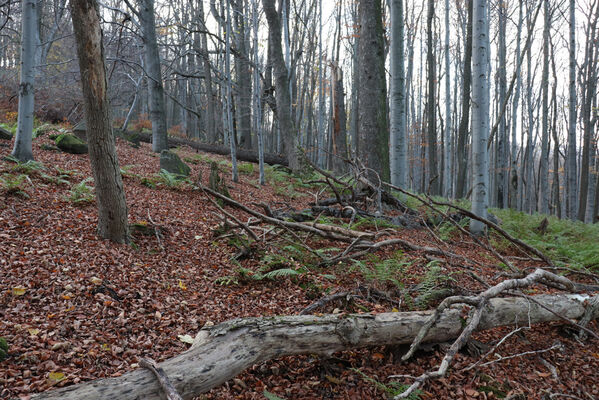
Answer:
(280, 87)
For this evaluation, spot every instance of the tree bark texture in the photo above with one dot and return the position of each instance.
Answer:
(373, 129)
(155, 87)
(480, 114)
(221, 352)
(23, 148)
(282, 94)
(110, 196)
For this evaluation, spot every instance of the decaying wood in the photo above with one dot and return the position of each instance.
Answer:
(223, 351)
(165, 384)
(242, 155)
(479, 302)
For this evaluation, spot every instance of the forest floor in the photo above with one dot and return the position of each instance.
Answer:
(74, 307)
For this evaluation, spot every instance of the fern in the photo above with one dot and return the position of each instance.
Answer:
(81, 194)
(271, 396)
(392, 389)
(433, 283)
(14, 185)
(280, 273)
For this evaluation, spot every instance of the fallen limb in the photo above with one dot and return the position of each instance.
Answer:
(242, 155)
(223, 351)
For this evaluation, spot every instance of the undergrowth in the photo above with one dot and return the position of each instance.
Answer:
(566, 242)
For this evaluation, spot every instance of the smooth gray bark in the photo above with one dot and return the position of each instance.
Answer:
(502, 142)
(462, 151)
(447, 148)
(514, 179)
(544, 157)
(221, 352)
(155, 87)
(398, 131)
(110, 195)
(22, 150)
(480, 113)
(571, 165)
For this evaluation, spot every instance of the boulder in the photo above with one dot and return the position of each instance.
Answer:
(4, 134)
(71, 144)
(80, 130)
(171, 162)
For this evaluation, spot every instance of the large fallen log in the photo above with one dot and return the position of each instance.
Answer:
(223, 351)
(242, 154)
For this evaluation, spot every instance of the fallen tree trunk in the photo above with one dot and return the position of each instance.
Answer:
(223, 351)
(242, 155)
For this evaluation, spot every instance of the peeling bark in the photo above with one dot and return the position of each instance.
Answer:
(221, 352)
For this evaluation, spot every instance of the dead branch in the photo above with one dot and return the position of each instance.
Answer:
(223, 351)
(165, 384)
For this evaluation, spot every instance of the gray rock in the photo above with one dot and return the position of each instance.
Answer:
(171, 162)
(80, 130)
(71, 144)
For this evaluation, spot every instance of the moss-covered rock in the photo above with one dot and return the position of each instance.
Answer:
(49, 147)
(71, 144)
(4, 134)
(171, 162)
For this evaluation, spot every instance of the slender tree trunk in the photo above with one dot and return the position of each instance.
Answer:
(399, 140)
(515, 181)
(544, 158)
(283, 98)
(501, 162)
(155, 88)
(431, 104)
(462, 152)
(110, 196)
(447, 148)
(480, 113)
(22, 150)
(373, 133)
(571, 165)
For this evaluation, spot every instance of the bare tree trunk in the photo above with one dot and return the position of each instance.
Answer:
(110, 196)
(462, 152)
(544, 158)
(155, 88)
(398, 131)
(480, 114)
(431, 103)
(447, 148)
(22, 150)
(373, 132)
(571, 164)
(282, 86)
(502, 159)
(515, 180)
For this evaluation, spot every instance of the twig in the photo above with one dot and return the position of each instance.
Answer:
(479, 302)
(526, 353)
(156, 232)
(165, 384)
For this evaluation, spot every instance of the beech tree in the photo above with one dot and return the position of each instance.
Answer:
(373, 133)
(22, 150)
(110, 196)
(480, 113)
